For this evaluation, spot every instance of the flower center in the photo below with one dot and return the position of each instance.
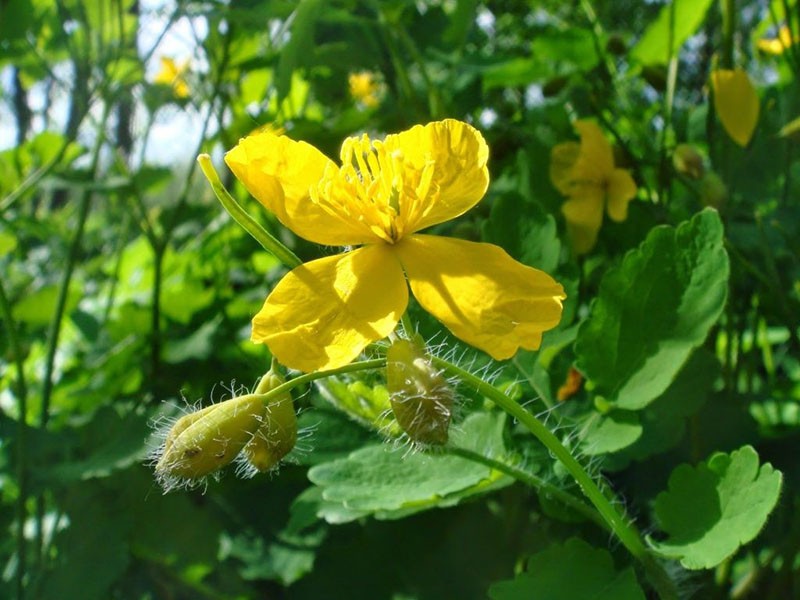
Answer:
(376, 188)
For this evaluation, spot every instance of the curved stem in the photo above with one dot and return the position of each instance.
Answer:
(624, 530)
(250, 225)
(532, 481)
(364, 365)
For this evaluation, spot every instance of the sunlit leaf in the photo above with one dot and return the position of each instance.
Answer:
(712, 509)
(653, 310)
(677, 20)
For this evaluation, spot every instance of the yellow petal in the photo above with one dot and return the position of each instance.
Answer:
(584, 215)
(736, 103)
(480, 293)
(620, 190)
(279, 172)
(459, 154)
(562, 161)
(596, 159)
(778, 45)
(322, 314)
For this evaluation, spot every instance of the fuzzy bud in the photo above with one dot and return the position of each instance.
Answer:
(713, 191)
(278, 433)
(205, 441)
(421, 399)
(688, 161)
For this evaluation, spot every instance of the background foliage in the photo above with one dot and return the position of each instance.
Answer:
(126, 291)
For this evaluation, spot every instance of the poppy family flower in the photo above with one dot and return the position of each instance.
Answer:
(736, 102)
(323, 313)
(172, 74)
(586, 173)
(779, 44)
(364, 88)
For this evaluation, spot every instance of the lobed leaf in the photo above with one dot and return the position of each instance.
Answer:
(653, 310)
(712, 509)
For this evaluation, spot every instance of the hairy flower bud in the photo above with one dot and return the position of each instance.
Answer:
(421, 399)
(204, 441)
(278, 433)
(713, 191)
(688, 161)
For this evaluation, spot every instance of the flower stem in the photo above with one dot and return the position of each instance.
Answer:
(261, 235)
(531, 481)
(364, 365)
(624, 530)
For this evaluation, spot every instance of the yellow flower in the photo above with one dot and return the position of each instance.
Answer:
(324, 313)
(171, 74)
(778, 45)
(364, 88)
(586, 173)
(736, 102)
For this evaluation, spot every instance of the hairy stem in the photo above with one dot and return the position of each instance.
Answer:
(531, 480)
(618, 523)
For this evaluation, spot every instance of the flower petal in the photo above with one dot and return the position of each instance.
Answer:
(620, 190)
(322, 314)
(596, 159)
(459, 154)
(480, 293)
(279, 172)
(562, 161)
(584, 215)
(736, 102)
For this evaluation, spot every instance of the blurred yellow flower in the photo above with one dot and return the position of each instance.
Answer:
(777, 45)
(586, 173)
(172, 74)
(323, 313)
(736, 102)
(365, 88)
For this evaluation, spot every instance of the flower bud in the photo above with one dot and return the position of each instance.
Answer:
(688, 161)
(202, 442)
(713, 191)
(421, 399)
(278, 433)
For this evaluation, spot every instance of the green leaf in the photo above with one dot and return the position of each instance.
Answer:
(8, 242)
(109, 442)
(572, 46)
(570, 571)
(525, 231)
(197, 346)
(391, 482)
(300, 44)
(712, 509)
(664, 421)
(612, 432)
(38, 307)
(653, 310)
(654, 46)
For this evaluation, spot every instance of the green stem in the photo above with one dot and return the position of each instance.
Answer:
(364, 365)
(664, 182)
(532, 481)
(250, 225)
(728, 10)
(625, 531)
(22, 438)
